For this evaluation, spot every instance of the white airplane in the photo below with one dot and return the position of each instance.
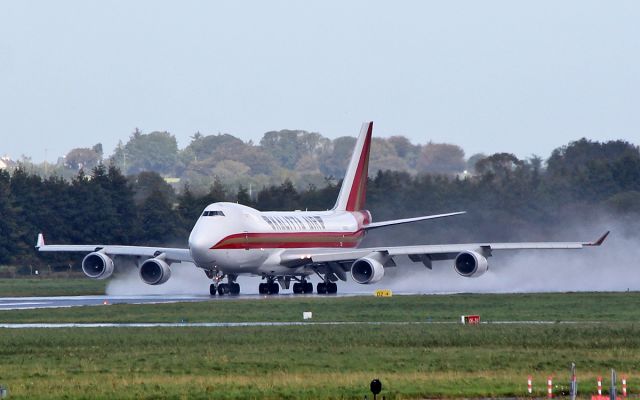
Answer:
(231, 239)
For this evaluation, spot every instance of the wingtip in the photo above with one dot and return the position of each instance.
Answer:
(40, 241)
(600, 240)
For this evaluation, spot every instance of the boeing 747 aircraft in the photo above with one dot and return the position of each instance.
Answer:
(230, 239)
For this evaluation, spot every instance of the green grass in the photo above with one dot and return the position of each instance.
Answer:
(21, 287)
(412, 361)
(415, 360)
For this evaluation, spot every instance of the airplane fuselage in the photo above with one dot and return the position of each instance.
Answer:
(236, 239)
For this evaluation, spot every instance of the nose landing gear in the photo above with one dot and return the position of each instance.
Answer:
(221, 289)
(225, 288)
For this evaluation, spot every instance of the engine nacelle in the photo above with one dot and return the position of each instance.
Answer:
(155, 271)
(369, 269)
(97, 265)
(471, 264)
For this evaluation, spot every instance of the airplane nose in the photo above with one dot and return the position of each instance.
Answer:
(199, 246)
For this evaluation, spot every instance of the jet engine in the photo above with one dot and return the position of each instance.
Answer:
(155, 271)
(470, 264)
(97, 265)
(369, 269)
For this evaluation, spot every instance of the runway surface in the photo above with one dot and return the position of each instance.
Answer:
(188, 324)
(26, 303)
(245, 324)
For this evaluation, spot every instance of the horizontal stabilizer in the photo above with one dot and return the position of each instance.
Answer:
(380, 224)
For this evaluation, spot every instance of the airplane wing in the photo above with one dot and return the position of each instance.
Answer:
(331, 258)
(172, 254)
(380, 224)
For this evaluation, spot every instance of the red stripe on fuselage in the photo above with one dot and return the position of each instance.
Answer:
(289, 240)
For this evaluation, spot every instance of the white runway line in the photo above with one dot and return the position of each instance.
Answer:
(189, 324)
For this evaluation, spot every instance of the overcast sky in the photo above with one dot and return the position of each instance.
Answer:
(522, 77)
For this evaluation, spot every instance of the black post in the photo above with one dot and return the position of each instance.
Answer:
(376, 388)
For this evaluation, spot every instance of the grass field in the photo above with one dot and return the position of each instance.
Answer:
(414, 360)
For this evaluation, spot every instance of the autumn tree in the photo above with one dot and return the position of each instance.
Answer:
(441, 158)
(155, 151)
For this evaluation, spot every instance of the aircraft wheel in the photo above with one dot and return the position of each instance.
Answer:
(307, 287)
(223, 289)
(262, 288)
(212, 289)
(234, 288)
(321, 288)
(332, 288)
(297, 288)
(274, 288)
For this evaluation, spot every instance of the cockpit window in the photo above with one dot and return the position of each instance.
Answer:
(212, 213)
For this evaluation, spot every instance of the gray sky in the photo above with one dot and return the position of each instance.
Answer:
(523, 77)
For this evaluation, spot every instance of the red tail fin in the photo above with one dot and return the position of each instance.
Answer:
(354, 186)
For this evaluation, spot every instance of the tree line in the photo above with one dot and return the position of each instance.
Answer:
(506, 199)
(300, 156)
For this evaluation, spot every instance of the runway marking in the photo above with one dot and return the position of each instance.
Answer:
(189, 324)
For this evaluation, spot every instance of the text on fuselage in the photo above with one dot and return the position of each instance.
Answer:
(293, 223)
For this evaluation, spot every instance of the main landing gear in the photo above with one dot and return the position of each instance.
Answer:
(303, 287)
(269, 288)
(272, 286)
(327, 288)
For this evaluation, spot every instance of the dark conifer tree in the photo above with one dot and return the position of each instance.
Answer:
(159, 222)
(8, 224)
(243, 197)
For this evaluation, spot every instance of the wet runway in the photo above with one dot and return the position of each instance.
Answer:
(26, 303)
(187, 324)
(245, 324)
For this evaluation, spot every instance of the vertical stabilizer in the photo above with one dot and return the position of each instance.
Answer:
(354, 186)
